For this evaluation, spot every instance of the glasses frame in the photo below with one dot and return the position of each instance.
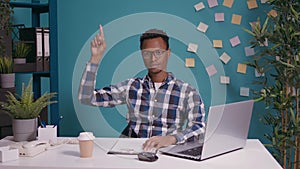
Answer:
(157, 53)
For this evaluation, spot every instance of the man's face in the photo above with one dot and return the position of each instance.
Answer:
(155, 55)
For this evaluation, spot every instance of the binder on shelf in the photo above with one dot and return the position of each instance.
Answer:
(46, 49)
(34, 37)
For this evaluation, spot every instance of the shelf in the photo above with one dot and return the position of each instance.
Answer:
(37, 7)
(27, 68)
(23, 68)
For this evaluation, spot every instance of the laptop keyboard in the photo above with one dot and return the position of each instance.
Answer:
(196, 151)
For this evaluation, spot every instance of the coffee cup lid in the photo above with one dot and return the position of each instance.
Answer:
(86, 136)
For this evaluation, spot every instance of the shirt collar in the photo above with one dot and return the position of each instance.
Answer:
(169, 78)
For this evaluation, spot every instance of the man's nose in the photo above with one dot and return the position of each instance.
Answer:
(153, 56)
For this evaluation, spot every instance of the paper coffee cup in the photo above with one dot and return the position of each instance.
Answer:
(86, 144)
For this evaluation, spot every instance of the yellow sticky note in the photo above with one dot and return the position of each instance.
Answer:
(242, 68)
(189, 62)
(236, 19)
(228, 3)
(217, 43)
(273, 13)
(252, 4)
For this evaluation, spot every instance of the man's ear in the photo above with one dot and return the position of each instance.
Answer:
(169, 52)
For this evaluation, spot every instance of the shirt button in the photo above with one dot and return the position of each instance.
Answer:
(155, 100)
(153, 127)
(153, 116)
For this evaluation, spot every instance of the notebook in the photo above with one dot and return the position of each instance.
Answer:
(127, 146)
(226, 131)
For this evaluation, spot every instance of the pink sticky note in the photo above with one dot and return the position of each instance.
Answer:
(235, 41)
(219, 17)
(249, 51)
(202, 27)
(224, 79)
(225, 58)
(211, 70)
(244, 91)
(212, 3)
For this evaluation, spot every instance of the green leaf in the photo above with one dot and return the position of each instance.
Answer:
(24, 106)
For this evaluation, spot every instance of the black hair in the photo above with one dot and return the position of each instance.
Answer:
(154, 33)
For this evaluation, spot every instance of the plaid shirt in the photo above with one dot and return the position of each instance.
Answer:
(176, 108)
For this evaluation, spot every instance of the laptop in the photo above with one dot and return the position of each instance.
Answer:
(226, 131)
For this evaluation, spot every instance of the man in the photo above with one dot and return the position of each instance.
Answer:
(159, 105)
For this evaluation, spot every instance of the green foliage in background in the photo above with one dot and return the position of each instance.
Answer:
(5, 22)
(25, 106)
(6, 65)
(277, 45)
(21, 49)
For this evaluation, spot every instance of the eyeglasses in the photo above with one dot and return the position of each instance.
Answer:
(148, 53)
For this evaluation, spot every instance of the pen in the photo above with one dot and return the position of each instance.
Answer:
(57, 121)
(43, 124)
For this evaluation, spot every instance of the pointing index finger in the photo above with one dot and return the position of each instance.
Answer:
(101, 31)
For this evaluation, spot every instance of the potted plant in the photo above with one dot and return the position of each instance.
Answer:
(7, 76)
(24, 110)
(20, 52)
(278, 58)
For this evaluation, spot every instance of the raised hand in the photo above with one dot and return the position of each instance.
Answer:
(98, 46)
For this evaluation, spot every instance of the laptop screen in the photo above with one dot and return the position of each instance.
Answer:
(227, 128)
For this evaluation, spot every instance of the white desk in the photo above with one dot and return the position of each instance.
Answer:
(254, 155)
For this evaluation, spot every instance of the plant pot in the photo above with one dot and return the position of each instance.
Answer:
(19, 60)
(7, 80)
(24, 129)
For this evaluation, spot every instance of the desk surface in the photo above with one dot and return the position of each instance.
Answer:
(254, 155)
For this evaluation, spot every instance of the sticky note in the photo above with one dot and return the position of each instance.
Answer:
(242, 68)
(217, 43)
(266, 43)
(225, 58)
(202, 27)
(252, 4)
(257, 74)
(272, 13)
(249, 51)
(211, 70)
(228, 3)
(192, 47)
(263, 1)
(212, 3)
(235, 41)
(189, 62)
(199, 6)
(219, 17)
(244, 91)
(224, 79)
(236, 19)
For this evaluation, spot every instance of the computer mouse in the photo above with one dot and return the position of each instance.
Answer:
(147, 156)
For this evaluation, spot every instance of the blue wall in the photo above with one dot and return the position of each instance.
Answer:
(123, 22)
(78, 21)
